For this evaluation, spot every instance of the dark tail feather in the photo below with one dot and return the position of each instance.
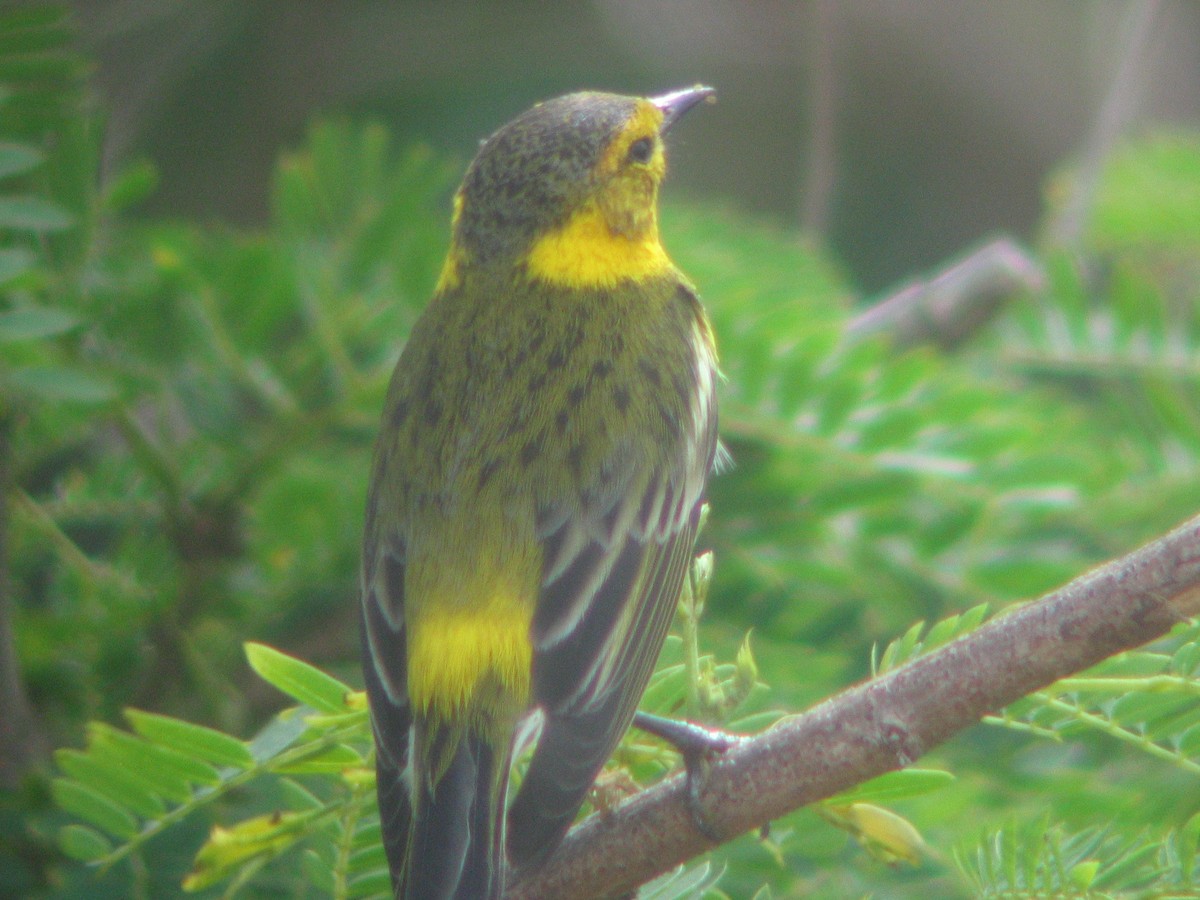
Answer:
(456, 843)
(394, 814)
(392, 722)
(570, 753)
(549, 798)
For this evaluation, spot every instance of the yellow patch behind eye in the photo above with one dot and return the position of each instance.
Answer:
(614, 238)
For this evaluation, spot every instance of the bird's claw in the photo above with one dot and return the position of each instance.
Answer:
(697, 745)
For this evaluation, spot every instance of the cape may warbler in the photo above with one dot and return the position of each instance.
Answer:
(535, 492)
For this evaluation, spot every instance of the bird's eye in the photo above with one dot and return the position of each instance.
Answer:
(641, 150)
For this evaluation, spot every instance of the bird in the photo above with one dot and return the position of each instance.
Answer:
(535, 493)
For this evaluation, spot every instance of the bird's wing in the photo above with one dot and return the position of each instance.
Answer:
(611, 583)
(386, 675)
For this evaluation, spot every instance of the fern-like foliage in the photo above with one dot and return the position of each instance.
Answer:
(920, 639)
(46, 204)
(190, 411)
(904, 482)
(1145, 699)
(130, 787)
(1038, 860)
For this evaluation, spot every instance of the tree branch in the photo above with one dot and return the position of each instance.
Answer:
(952, 305)
(886, 723)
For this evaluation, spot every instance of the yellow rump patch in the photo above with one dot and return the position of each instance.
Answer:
(587, 253)
(457, 659)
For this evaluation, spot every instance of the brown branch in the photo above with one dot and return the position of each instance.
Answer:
(952, 305)
(886, 723)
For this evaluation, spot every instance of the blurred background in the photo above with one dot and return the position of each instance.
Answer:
(194, 354)
(900, 130)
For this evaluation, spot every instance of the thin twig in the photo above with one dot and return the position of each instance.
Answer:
(22, 740)
(1113, 116)
(820, 170)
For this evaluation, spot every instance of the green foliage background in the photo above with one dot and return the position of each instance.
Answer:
(187, 413)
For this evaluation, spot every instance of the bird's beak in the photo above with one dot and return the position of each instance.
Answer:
(676, 103)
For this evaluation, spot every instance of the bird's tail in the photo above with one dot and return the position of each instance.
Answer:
(456, 842)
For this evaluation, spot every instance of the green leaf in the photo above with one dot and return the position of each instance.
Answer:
(277, 735)
(194, 741)
(894, 786)
(32, 28)
(1083, 874)
(1141, 708)
(1189, 741)
(902, 649)
(329, 760)
(1186, 658)
(1150, 193)
(229, 849)
(61, 383)
(318, 872)
(132, 185)
(376, 884)
(111, 778)
(28, 213)
(1137, 662)
(369, 855)
(298, 679)
(92, 806)
(31, 322)
(880, 487)
(14, 262)
(298, 797)
(83, 843)
(18, 158)
(159, 761)
(946, 630)
(166, 772)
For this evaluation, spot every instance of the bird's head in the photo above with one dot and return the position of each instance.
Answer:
(569, 189)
